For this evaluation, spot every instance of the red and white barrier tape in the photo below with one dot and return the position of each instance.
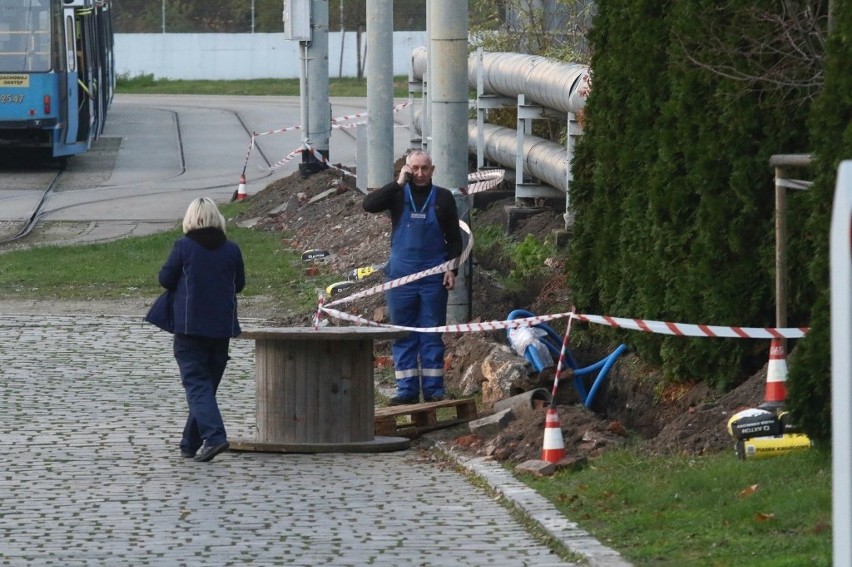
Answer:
(356, 124)
(279, 131)
(691, 330)
(660, 327)
(440, 269)
(286, 158)
(325, 161)
(489, 179)
(248, 153)
(484, 180)
(396, 108)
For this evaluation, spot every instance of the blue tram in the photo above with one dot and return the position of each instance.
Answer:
(57, 73)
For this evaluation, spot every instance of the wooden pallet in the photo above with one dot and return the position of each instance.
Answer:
(421, 417)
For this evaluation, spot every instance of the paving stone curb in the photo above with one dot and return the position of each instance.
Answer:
(536, 508)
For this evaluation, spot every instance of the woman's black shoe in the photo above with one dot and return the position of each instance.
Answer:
(209, 451)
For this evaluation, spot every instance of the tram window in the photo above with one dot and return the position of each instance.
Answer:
(24, 35)
(57, 42)
(70, 47)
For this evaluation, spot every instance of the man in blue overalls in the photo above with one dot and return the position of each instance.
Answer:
(425, 233)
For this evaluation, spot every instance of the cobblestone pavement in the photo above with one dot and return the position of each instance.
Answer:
(91, 411)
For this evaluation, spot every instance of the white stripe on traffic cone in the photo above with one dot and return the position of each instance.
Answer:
(554, 447)
(776, 377)
(241, 190)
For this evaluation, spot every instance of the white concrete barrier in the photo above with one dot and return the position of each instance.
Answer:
(221, 56)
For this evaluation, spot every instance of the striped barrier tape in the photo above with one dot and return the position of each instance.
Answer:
(691, 330)
(396, 108)
(448, 265)
(286, 158)
(659, 327)
(487, 179)
(278, 164)
(356, 124)
(324, 160)
(248, 153)
(484, 180)
(279, 131)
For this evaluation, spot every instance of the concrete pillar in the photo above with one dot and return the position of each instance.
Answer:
(380, 156)
(449, 110)
(316, 121)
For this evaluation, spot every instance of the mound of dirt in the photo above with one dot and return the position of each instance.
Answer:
(323, 211)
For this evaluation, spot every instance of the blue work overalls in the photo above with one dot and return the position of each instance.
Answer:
(417, 244)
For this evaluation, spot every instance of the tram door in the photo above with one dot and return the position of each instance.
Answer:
(71, 98)
(81, 88)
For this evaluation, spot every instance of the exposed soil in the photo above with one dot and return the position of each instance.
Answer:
(323, 211)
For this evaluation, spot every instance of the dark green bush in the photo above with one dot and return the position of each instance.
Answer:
(673, 192)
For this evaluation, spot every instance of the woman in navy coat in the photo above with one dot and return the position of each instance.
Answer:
(205, 272)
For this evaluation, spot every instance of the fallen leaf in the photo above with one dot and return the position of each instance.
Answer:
(748, 491)
(764, 517)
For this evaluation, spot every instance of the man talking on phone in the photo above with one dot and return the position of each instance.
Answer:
(424, 233)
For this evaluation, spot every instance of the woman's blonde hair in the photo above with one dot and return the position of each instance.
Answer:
(203, 213)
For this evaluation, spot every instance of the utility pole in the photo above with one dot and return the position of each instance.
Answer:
(379, 93)
(316, 123)
(449, 109)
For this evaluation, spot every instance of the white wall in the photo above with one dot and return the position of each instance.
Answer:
(219, 56)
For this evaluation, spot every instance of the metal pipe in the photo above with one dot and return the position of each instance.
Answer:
(543, 159)
(379, 93)
(552, 84)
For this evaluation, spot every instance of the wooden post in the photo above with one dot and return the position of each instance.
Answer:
(782, 163)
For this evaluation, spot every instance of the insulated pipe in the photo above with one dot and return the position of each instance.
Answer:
(543, 159)
(555, 85)
(551, 84)
(379, 93)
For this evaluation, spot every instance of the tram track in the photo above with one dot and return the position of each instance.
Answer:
(28, 223)
(23, 186)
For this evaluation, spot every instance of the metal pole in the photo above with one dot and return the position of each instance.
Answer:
(426, 130)
(449, 80)
(342, 42)
(379, 93)
(164, 16)
(252, 16)
(780, 250)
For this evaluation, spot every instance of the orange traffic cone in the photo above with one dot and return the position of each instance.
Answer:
(241, 190)
(776, 377)
(554, 447)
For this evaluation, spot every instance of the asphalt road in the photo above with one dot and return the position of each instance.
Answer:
(159, 152)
